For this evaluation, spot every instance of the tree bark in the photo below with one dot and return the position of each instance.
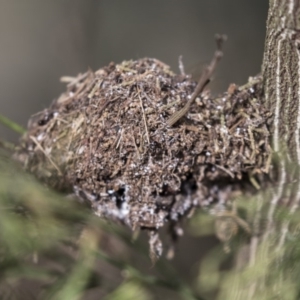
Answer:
(281, 74)
(281, 85)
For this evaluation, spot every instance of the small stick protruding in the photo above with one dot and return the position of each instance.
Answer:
(203, 81)
(181, 65)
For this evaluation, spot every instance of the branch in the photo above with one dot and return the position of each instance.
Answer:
(204, 80)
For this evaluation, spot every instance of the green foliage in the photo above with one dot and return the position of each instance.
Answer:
(264, 265)
(58, 248)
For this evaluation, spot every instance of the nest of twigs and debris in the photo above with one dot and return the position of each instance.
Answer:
(107, 139)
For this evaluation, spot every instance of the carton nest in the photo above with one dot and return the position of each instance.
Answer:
(106, 138)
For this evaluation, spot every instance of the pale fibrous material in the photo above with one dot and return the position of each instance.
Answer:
(107, 140)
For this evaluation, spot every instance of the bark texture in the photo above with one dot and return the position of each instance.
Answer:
(281, 73)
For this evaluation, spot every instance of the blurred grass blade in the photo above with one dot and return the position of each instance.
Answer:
(7, 145)
(12, 125)
(129, 290)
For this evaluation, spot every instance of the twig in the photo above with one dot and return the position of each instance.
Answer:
(225, 170)
(181, 65)
(73, 80)
(203, 81)
(106, 103)
(144, 117)
(47, 155)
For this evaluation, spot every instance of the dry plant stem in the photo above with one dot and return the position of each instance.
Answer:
(181, 65)
(204, 80)
(46, 155)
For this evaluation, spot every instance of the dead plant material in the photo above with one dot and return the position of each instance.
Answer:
(204, 80)
(107, 139)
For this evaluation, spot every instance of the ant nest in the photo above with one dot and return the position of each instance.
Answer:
(107, 139)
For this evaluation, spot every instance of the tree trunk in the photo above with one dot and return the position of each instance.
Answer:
(281, 85)
(281, 73)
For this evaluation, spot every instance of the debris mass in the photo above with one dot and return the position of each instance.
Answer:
(107, 138)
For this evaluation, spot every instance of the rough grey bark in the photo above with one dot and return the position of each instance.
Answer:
(281, 72)
(281, 75)
(281, 85)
